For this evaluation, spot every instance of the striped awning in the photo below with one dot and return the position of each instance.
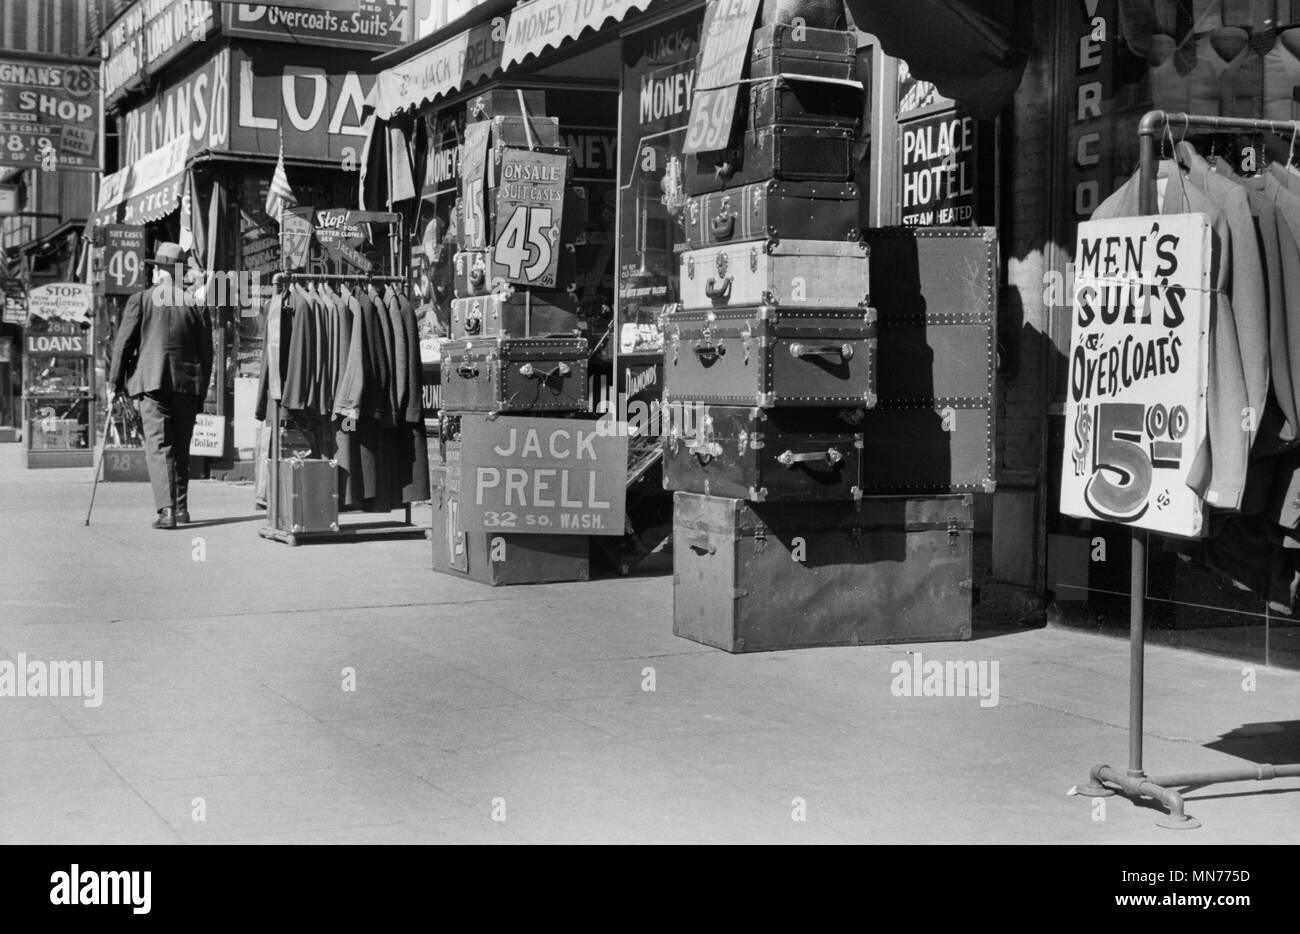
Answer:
(539, 25)
(462, 60)
(147, 189)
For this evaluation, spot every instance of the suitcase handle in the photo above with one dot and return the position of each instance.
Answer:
(790, 458)
(700, 542)
(718, 292)
(724, 226)
(465, 371)
(705, 350)
(477, 276)
(843, 351)
(705, 450)
(528, 371)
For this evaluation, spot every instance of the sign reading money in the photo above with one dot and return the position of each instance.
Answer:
(1135, 417)
(528, 213)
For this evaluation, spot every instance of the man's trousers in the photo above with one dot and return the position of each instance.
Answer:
(168, 419)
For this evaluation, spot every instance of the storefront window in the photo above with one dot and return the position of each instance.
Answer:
(658, 79)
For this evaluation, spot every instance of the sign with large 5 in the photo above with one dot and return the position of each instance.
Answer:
(1135, 417)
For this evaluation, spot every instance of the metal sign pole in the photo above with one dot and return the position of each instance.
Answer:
(1105, 780)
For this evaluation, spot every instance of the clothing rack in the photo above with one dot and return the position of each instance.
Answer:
(1105, 780)
(350, 531)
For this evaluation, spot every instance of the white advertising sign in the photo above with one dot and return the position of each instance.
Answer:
(209, 438)
(71, 301)
(1135, 415)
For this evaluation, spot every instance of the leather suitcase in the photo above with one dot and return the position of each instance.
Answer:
(754, 577)
(773, 210)
(819, 14)
(513, 131)
(479, 276)
(788, 273)
(765, 357)
(504, 102)
(502, 558)
(762, 455)
(308, 495)
(785, 100)
(514, 313)
(515, 374)
(819, 53)
(795, 153)
(933, 427)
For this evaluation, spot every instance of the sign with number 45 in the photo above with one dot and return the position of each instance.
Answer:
(529, 213)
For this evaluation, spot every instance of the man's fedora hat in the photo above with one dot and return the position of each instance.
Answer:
(168, 254)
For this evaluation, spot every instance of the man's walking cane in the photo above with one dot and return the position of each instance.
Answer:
(99, 458)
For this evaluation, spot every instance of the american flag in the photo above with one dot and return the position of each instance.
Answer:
(280, 195)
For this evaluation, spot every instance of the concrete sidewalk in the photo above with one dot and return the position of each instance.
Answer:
(520, 714)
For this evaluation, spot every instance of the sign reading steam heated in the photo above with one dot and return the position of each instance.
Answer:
(1135, 417)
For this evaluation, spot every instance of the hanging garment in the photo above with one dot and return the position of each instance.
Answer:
(1227, 76)
(1207, 15)
(1218, 473)
(1247, 284)
(1170, 91)
(1282, 76)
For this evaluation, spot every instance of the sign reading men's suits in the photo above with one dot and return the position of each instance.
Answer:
(724, 44)
(1135, 417)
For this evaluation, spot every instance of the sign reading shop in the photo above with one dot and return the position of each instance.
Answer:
(1135, 418)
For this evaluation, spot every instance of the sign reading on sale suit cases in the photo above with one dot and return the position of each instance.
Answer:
(1135, 418)
(542, 475)
(529, 210)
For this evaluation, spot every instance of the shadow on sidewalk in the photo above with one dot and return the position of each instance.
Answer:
(204, 523)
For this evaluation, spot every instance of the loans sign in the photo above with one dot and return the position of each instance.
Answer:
(542, 475)
(1135, 417)
(529, 212)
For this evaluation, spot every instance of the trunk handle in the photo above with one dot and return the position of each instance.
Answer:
(724, 225)
(705, 451)
(466, 371)
(700, 541)
(790, 458)
(705, 349)
(528, 371)
(843, 351)
(718, 292)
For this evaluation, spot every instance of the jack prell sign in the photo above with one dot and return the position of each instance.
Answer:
(1135, 417)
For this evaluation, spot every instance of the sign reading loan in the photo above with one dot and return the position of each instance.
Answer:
(529, 211)
(1135, 417)
(542, 475)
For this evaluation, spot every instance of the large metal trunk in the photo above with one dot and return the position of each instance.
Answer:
(762, 455)
(794, 273)
(509, 374)
(308, 495)
(501, 558)
(765, 356)
(785, 99)
(788, 50)
(933, 426)
(774, 210)
(513, 313)
(791, 152)
(757, 577)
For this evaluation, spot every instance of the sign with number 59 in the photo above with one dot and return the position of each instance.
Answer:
(529, 213)
(1135, 417)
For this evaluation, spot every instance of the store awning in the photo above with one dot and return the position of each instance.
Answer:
(462, 60)
(147, 189)
(974, 51)
(539, 25)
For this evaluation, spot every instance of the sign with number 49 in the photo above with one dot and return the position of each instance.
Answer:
(529, 215)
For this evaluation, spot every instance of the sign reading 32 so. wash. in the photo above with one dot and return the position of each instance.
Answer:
(543, 475)
(1135, 416)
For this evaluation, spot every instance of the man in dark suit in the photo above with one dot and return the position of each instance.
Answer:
(162, 358)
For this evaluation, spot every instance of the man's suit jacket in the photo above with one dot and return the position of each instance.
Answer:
(170, 344)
